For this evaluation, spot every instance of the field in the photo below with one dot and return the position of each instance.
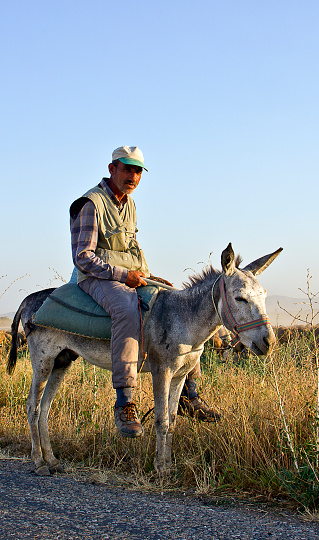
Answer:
(265, 445)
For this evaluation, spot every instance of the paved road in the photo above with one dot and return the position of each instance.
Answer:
(62, 508)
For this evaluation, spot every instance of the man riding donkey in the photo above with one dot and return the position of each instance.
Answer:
(110, 265)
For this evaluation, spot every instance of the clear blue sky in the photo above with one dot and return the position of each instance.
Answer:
(222, 97)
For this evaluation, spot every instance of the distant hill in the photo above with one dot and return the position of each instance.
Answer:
(5, 323)
(278, 306)
(11, 314)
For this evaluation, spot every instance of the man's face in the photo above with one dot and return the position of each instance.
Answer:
(125, 177)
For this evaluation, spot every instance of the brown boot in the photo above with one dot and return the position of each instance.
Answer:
(127, 421)
(197, 408)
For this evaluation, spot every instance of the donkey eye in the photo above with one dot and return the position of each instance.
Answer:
(240, 299)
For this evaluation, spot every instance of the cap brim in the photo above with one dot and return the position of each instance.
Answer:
(131, 161)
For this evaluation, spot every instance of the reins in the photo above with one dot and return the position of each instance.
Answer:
(144, 354)
(236, 328)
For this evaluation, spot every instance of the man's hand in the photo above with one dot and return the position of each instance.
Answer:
(135, 278)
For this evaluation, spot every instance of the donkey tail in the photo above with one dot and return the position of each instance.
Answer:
(27, 308)
(12, 359)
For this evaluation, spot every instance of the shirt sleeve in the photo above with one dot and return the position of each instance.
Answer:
(84, 236)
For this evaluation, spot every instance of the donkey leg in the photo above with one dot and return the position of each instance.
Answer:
(49, 394)
(161, 383)
(174, 395)
(39, 380)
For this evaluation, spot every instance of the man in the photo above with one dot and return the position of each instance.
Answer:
(110, 265)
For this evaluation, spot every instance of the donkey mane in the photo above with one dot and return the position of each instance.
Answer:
(207, 274)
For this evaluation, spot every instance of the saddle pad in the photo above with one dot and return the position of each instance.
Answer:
(70, 309)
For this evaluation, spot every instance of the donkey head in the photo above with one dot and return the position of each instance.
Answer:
(242, 302)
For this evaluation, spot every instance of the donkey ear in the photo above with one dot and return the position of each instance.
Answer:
(258, 266)
(228, 260)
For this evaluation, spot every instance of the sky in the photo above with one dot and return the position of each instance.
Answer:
(222, 98)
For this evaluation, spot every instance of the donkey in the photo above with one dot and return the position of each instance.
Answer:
(175, 332)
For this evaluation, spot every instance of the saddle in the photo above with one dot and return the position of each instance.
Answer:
(70, 309)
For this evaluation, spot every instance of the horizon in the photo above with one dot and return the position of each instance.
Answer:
(269, 297)
(280, 315)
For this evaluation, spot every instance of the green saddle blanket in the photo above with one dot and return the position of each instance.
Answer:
(70, 309)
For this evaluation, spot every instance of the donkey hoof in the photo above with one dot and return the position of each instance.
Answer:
(57, 468)
(43, 470)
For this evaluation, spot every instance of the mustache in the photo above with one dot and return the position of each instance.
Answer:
(131, 182)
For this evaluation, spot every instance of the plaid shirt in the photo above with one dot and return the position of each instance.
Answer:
(84, 235)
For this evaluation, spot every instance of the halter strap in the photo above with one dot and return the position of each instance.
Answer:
(236, 328)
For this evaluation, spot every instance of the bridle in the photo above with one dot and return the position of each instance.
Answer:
(236, 328)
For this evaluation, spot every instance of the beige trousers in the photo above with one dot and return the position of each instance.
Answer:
(121, 303)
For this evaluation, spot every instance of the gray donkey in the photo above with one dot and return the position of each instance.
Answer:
(175, 332)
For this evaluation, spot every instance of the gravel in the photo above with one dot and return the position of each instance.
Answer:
(61, 507)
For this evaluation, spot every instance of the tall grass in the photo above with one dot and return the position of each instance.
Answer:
(247, 451)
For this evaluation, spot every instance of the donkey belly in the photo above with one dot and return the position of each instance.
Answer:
(49, 343)
(100, 360)
(95, 351)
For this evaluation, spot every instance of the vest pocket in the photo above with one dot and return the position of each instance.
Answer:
(130, 260)
(122, 259)
(117, 241)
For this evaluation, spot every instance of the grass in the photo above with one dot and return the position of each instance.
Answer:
(248, 451)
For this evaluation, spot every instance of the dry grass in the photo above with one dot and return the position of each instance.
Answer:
(246, 451)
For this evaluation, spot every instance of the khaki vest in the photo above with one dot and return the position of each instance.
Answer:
(116, 244)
